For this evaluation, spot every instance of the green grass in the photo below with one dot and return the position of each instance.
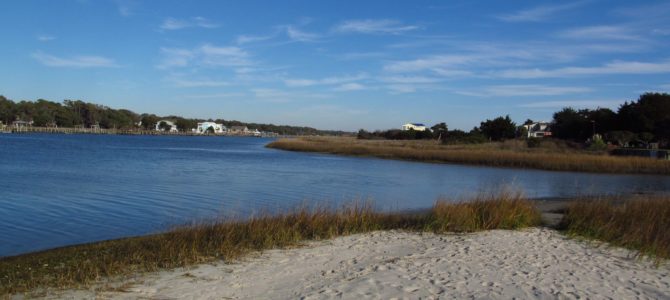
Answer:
(641, 223)
(81, 265)
(512, 154)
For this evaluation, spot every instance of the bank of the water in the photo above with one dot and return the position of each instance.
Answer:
(228, 240)
(420, 151)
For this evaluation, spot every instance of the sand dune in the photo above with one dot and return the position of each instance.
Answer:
(533, 263)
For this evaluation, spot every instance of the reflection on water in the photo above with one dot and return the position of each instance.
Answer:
(64, 189)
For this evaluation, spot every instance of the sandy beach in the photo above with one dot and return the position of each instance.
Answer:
(532, 263)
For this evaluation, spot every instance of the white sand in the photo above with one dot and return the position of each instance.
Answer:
(534, 263)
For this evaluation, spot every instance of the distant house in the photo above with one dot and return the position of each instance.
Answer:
(204, 126)
(22, 124)
(539, 129)
(414, 126)
(239, 129)
(171, 125)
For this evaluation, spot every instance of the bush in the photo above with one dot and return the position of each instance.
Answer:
(533, 142)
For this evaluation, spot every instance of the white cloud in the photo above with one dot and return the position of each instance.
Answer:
(300, 82)
(245, 39)
(176, 24)
(205, 55)
(613, 68)
(539, 13)
(80, 61)
(401, 88)
(603, 32)
(45, 38)
(214, 96)
(224, 56)
(352, 86)
(409, 79)
(573, 104)
(296, 34)
(274, 95)
(370, 26)
(126, 7)
(523, 90)
(186, 83)
(430, 63)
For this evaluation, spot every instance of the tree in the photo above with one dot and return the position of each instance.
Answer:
(499, 128)
(440, 130)
(210, 130)
(149, 121)
(570, 124)
(164, 126)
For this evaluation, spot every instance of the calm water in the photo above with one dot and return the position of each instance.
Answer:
(58, 190)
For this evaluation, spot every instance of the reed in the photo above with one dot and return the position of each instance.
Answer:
(82, 265)
(494, 154)
(640, 223)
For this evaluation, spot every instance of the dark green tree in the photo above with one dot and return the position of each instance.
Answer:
(498, 129)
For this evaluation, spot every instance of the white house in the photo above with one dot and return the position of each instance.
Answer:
(172, 126)
(204, 126)
(539, 129)
(414, 126)
(239, 129)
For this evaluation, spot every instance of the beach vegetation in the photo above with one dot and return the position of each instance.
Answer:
(554, 155)
(641, 223)
(228, 240)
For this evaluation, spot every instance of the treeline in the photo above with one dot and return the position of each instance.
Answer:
(74, 113)
(644, 120)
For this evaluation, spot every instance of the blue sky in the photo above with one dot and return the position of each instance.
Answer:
(337, 64)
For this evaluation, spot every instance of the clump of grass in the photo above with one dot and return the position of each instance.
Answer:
(502, 210)
(641, 223)
(80, 265)
(493, 154)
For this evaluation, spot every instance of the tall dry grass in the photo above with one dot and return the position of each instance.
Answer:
(496, 155)
(501, 210)
(228, 240)
(641, 223)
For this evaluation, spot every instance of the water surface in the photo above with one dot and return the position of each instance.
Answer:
(59, 190)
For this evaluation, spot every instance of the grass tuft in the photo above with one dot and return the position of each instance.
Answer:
(641, 223)
(81, 265)
(503, 210)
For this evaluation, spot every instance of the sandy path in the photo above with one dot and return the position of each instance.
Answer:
(534, 263)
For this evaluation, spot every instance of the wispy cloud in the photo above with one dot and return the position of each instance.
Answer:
(280, 96)
(214, 96)
(573, 103)
(429, 63)
(539, 13)
(205, 55)
(523, 90)
(409, 79)
(126, 8)
(603, 32)
(613, 68)
(176, 24)
(182, 81)
(79, 61)
(45, 38)
(245, 39)
(374, 26)
(301, 82)
(352, 86)
(299, 35)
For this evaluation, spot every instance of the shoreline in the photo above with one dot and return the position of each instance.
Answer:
(476, 155)
(528, 263)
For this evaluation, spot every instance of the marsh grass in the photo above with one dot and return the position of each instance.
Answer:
(640, 223)
(82, 265)
(507, 154)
